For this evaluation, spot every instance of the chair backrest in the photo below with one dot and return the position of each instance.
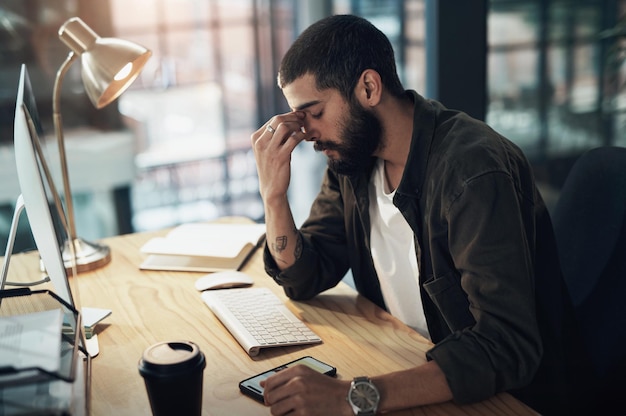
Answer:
(590, 228)
(589, 219)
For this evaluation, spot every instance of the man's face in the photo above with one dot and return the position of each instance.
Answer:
(359, 137)
(347, 133)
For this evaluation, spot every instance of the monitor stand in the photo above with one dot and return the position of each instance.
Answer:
(89, 316)
(19, 207)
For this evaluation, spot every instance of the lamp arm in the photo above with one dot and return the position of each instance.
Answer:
(58, 128)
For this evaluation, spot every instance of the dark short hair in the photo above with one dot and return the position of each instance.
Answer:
(336, 50)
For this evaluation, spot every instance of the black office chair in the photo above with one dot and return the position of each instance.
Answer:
(590, 227)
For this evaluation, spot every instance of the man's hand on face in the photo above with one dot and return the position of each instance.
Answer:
(300, 390)
(273, 144)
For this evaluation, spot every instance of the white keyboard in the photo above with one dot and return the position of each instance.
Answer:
(257, 318)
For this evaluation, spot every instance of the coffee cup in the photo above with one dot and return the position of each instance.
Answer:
(172, 372)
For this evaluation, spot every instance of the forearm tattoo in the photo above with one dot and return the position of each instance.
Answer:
(297, 252)
(280, 244)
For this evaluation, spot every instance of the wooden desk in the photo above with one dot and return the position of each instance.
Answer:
(148, 307)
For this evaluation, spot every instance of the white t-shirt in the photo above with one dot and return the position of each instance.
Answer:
(393, 252)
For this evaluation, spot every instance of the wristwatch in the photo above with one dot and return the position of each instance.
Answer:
(363, 397)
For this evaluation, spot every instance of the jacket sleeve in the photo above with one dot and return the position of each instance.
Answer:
(324, 260)
(491, 239)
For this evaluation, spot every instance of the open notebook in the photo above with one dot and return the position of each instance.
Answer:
(203, 247)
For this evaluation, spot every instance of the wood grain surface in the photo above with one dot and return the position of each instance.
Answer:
(151, 306)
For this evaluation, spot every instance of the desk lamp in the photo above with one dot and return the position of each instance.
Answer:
(109, 66)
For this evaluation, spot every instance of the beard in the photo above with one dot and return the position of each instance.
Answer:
(361, 132)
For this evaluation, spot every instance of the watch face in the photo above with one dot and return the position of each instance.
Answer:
(364, 396)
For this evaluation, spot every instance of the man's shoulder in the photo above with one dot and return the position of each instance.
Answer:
(461, 141)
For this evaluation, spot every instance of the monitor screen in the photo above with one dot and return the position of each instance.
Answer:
(41, 199)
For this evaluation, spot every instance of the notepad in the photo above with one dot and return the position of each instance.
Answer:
(203, 247)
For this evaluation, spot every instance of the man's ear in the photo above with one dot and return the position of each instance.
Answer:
(369, 88)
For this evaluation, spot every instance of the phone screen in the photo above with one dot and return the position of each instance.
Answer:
(252, 387)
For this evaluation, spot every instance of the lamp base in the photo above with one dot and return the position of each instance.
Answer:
(89, 256)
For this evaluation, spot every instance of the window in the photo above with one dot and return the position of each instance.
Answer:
(549, 76)
(196, 104)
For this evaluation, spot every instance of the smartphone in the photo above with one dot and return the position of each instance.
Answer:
(252, 386)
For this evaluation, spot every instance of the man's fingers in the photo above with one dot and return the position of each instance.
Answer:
(285, 136)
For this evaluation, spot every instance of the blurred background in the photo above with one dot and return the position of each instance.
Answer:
(175, 147)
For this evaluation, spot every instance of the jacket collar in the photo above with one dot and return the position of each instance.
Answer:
(424, 116)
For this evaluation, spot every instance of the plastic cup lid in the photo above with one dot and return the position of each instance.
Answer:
(170, 358)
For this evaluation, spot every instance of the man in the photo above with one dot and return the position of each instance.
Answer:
(438, 218)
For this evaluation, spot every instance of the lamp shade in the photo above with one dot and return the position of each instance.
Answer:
(109, 65)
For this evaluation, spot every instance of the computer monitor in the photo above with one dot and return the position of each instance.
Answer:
(39, 194)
